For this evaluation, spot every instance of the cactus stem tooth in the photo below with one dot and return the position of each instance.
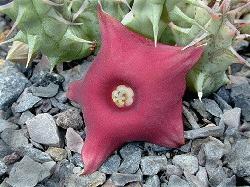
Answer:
(196, 41)
(77, 39)
(225, 6)
(242, 36)
(240, 58)
(234, 30)
(33, 47)
(242, 23)
(212, 12)
(126, 3)
(7, 41)
(66, 22)
(216, 5)
(180, 13)
(200, 94)
(179, 29)
(70, 5)
(52, 3)
(81, 10)
(239, 10)
(18, 19)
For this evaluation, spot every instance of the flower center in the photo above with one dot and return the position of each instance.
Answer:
(123, 96)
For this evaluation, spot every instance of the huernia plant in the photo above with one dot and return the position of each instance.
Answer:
(63, 30)
(216, 24)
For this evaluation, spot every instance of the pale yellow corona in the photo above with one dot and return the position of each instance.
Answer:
(123, 96)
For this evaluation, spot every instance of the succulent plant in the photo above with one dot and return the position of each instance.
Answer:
(63, 30)
(215, 24)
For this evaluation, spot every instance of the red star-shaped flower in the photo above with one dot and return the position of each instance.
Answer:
(132, 92)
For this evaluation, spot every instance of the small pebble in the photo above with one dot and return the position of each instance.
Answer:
(48, 91)
(188, 163)
(151, 165)
(131, 155)
(153, 181)
(121, 179)
(69, 118)
(56, 153)
(25, 102)
(42, 129)
(111, 165)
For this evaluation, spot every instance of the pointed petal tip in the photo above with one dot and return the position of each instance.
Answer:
(92, 161)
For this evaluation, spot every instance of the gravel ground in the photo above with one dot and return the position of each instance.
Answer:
(42, 132)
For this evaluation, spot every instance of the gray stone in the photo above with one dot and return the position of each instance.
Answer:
(25, 102)
(61, 97)
(111, 165)
(215, 131)
(69, 118)
(240, 90)
(244, 104)
(42, 129)
(173, 170)
(5, 124)
(5, 114)
(12, 158)
(44, 107)
(231, 117)
(228, 182)
(200, 108)
(12, 84)
(75, 73)
(153, 181)
(212, 107)
(188, 163)
(238, 158)
(131, 155)
(76, 159)
(176, 181)
(193, 180)
(217, 176)
(48, 169)
(95, 179)
(241, 98)
(14, 138)
(212, 167)
(188, 115)
(222, 103)
(3, 168)
(59, 105)
(4, 149)
(187, 147)
(120, 179)
(35, 154)
(151, 165)
(27, 173)
(202, 176)
(24, 117)
(155, 148)
(224, 94)
(133, 184)
(74, 141)
(57, 153)
(47, 91)
(214, 149)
